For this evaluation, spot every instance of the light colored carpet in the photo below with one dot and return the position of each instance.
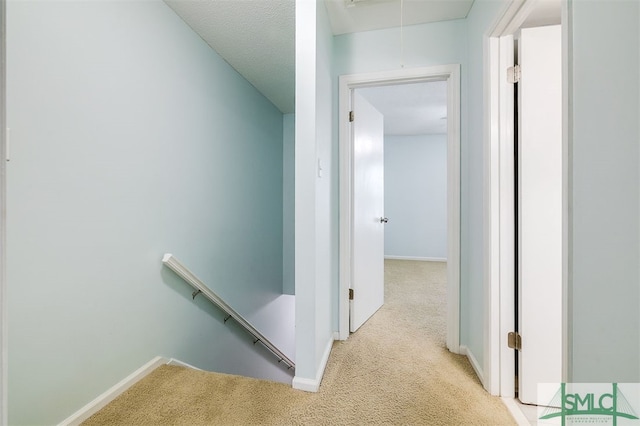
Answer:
(394, 370)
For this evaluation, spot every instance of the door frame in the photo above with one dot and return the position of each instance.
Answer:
(451, 74)
(4, 324)
(499, 222)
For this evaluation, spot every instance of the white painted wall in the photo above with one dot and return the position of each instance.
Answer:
(415, 196)
(130, 138)
(604, 192)
(288, 203)
(315, 216)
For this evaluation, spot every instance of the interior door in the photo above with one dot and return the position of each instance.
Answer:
(368, 212)
(539, 211)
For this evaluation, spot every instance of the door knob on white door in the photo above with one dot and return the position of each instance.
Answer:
(384, 219)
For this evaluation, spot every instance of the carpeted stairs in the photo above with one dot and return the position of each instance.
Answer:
(394, 370)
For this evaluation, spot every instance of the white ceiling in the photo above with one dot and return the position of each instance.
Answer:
(256, 37)
(411, 109)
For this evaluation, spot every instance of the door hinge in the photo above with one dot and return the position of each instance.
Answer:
(351, 116)
(514, 340)
(513, 74)
(350, 294)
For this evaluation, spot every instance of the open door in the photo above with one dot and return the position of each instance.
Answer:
(367, 284)
(539, 211)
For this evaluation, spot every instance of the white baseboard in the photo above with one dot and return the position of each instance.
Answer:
(179, 363)
(474, 362)
(424, 259)
(516, 412)
(101, 401)
(312, 385)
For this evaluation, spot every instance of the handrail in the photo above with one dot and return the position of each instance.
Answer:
(172, 263)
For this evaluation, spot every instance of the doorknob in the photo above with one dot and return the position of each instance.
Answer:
(384, 219)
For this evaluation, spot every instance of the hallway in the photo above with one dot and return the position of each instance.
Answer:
(394, 370)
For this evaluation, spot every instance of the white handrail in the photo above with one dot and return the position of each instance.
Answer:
(172, 263)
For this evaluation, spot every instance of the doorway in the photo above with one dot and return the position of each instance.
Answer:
(450, 74)
(415, 168)
(500, 228)
(400, 185)
(538, 212)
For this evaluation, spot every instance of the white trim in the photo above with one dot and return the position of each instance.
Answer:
(4, 323)
(453, 210)
(567, 205)
(313, 385)
(491, 231)
(178, 363)
(451, 74)
(304, 384)
(464, 350)
(422, 259)
(499, 227)
(516, 412)
(101, 401)
(506, 221)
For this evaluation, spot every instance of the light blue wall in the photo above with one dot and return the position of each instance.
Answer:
(130, 138)
(604, 248)
(415, 196)
(327, 213)
(479, 21)
(605, 281)
(305, 190)
(288, 200)
(315, 224)
(427, 45)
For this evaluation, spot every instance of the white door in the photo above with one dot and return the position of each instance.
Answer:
(368, 213)
(539, 211)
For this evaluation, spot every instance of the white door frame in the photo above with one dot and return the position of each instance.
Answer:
(451, 74)
(4, 419)
(499, 360)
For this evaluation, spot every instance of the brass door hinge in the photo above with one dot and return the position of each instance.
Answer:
(350, 294)
(514, 340)
(351, 116)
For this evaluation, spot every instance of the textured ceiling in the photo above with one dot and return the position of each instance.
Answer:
(256, 37)
(350, 16)
(411, 109)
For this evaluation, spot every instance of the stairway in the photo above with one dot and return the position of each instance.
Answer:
(178, 395)
(394, 370)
